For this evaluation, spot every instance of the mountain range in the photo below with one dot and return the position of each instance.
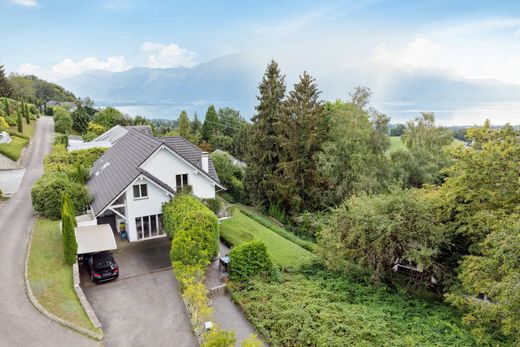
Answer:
(232, 81)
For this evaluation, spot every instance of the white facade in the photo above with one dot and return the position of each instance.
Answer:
(164, 165)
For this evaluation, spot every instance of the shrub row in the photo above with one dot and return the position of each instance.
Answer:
(308, 245)
(64, 172)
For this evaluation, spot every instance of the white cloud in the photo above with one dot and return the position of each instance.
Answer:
(164, 56)
(27, 3)
(28, 69)
(68, 67)
(420, 52)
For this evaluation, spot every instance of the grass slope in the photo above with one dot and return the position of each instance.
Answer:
(13, 149)
(50, 278)
(241, 228)
(396, 144)
(318, 308)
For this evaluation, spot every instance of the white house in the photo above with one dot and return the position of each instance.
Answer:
(139, 173)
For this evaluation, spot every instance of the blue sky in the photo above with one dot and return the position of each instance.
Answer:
(57, 39)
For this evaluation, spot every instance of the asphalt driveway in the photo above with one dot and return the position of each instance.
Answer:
(143, 307)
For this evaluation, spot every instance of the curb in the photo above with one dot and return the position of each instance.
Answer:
(40, 308)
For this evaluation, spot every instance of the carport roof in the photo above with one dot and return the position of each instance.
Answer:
(95, 238)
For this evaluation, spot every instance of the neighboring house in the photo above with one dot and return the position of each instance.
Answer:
(139, 173)
(108, 138)
(69, 105)
(234, 161)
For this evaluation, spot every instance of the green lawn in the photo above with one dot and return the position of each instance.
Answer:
(50, 278)
(13, 149)
(28, 130)
(395, 144)
(241, 228)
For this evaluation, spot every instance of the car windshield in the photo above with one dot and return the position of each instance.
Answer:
(103, 261)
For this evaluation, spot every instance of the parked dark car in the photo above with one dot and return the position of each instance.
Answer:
(101, 266)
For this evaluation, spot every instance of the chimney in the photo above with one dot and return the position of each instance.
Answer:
(204, 161)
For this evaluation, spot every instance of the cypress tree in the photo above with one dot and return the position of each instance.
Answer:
(25, 109)
(6, 105)
(210, 125)
(184, 125)
(19, 121)
(264, 151)
(70, 245)
(304, 129)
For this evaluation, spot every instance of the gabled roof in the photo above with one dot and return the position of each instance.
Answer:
(190, 152)
(120, 165)
(115, 133)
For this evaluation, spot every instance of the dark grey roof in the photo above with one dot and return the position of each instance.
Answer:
(118, 167)
(113, 134)
(190, 152)
(157, 181)
(145, 129)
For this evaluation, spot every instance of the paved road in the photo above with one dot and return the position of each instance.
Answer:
(144, 306)
(20, 323)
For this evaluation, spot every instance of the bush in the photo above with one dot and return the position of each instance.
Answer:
(11, 120)
(3, 123)
(63, 124)
(217, 337)
(249, 259)
(61, 139)
(89, 136)
(68, 222)
(196, 240)
(213, 204)
(46, 195)
(176, 210)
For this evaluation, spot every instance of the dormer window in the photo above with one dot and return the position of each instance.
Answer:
(140, 191)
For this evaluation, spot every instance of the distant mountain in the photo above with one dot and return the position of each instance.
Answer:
(232, 81)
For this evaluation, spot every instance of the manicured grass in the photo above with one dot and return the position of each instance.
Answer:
(396, 144)
(13, 149)
(278, 228)
(28, 130)
(50, 278)
(241, 228)
(315, 307)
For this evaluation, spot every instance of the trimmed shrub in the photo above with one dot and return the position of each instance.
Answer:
(249, 259)
(196, 240)
(63, 124)
(46, 195)
(68, 222)
(3, 123)
(217, 337)
(61, 139)
(176, 211)
(19, 121)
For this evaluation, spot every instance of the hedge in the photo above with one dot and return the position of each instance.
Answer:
(249, 259)
(176, 211)
(196, 239)
(46, 195)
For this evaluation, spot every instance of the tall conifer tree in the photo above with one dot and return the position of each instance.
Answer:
(184, 125)
(264, 152)
(211, 124)
(19, 120)
(304, 129)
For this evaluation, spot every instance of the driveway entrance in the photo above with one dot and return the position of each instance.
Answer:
(143, 307)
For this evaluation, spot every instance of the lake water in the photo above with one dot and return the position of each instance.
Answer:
(400, 112)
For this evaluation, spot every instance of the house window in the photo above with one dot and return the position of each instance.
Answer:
(181, 180)
(149, 226)
(140, 191)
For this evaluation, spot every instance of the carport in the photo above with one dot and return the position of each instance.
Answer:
(95, 238)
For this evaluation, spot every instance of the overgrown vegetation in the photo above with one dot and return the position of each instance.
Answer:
(316, 307)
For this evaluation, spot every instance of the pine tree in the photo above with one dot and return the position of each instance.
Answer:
(184, 125)
(68, 219)
(196, 125)
(19, 121)
(211, 124)
(304, 129)
(264, 152)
